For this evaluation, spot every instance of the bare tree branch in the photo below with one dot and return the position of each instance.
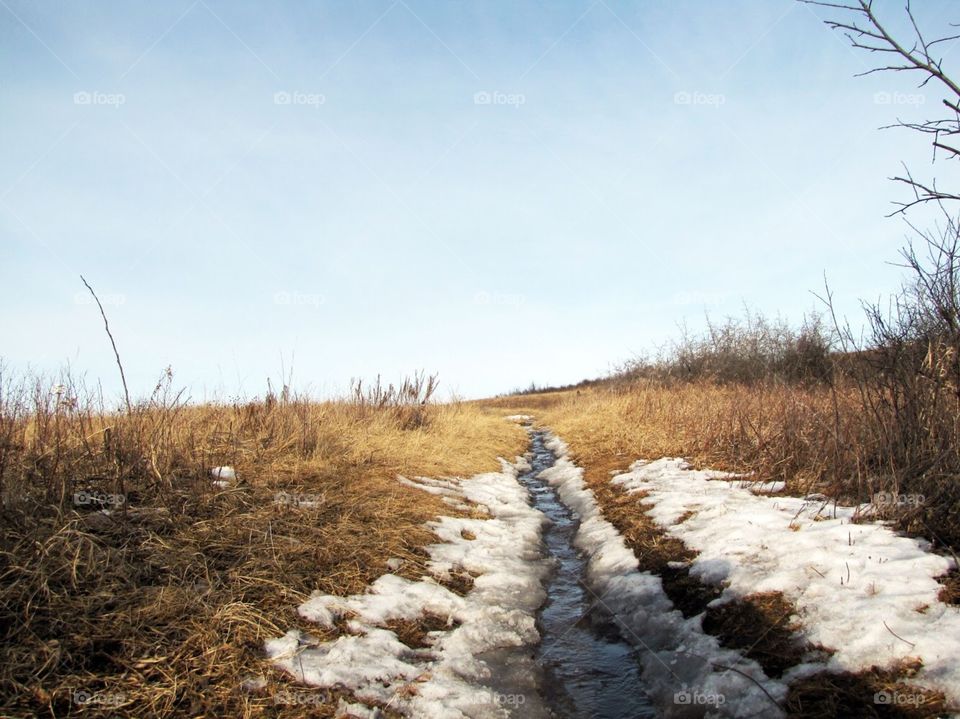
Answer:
(865, 31)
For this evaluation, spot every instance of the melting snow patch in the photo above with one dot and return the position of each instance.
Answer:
(686, 672)
(491, 628)
(859, 588)
(222, 476)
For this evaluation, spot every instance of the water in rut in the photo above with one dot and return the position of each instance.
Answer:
(589, 670)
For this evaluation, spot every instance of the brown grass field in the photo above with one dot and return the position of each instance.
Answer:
(164, 604)
(165, 600)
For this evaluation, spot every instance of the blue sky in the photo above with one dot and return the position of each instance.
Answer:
(497, 191)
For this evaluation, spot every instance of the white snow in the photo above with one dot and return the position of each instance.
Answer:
(222, 476)
(448, 678)
(518, 418)
(855, 585)
(684, 670)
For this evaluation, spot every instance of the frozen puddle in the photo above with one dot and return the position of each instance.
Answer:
(589, 671)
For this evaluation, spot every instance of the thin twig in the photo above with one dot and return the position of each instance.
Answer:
(899, 637)
(106, 326)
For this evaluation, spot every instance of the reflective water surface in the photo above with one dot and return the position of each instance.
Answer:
(588, 669)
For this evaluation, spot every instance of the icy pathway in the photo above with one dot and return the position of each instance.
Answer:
(589, 670)
(686, 672)
(860, 589)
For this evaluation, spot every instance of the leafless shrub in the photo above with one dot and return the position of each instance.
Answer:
(751, 349)
(907, 371)
(408, 401)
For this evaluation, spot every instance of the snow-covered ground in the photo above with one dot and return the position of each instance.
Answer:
(479, 668)
(860, 589)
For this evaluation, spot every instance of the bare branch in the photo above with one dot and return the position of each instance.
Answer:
(106, 326)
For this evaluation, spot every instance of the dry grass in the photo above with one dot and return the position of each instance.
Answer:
(872, 694)
(780, 431)
(815, 437)
(161, 607)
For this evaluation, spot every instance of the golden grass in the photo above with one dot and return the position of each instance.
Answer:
(161, 608)
(779, 431)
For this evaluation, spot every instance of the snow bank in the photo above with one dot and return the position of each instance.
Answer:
(686, 672)
(857, 586)
(491, 629)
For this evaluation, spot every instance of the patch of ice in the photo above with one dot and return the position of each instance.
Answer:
(857, 586)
